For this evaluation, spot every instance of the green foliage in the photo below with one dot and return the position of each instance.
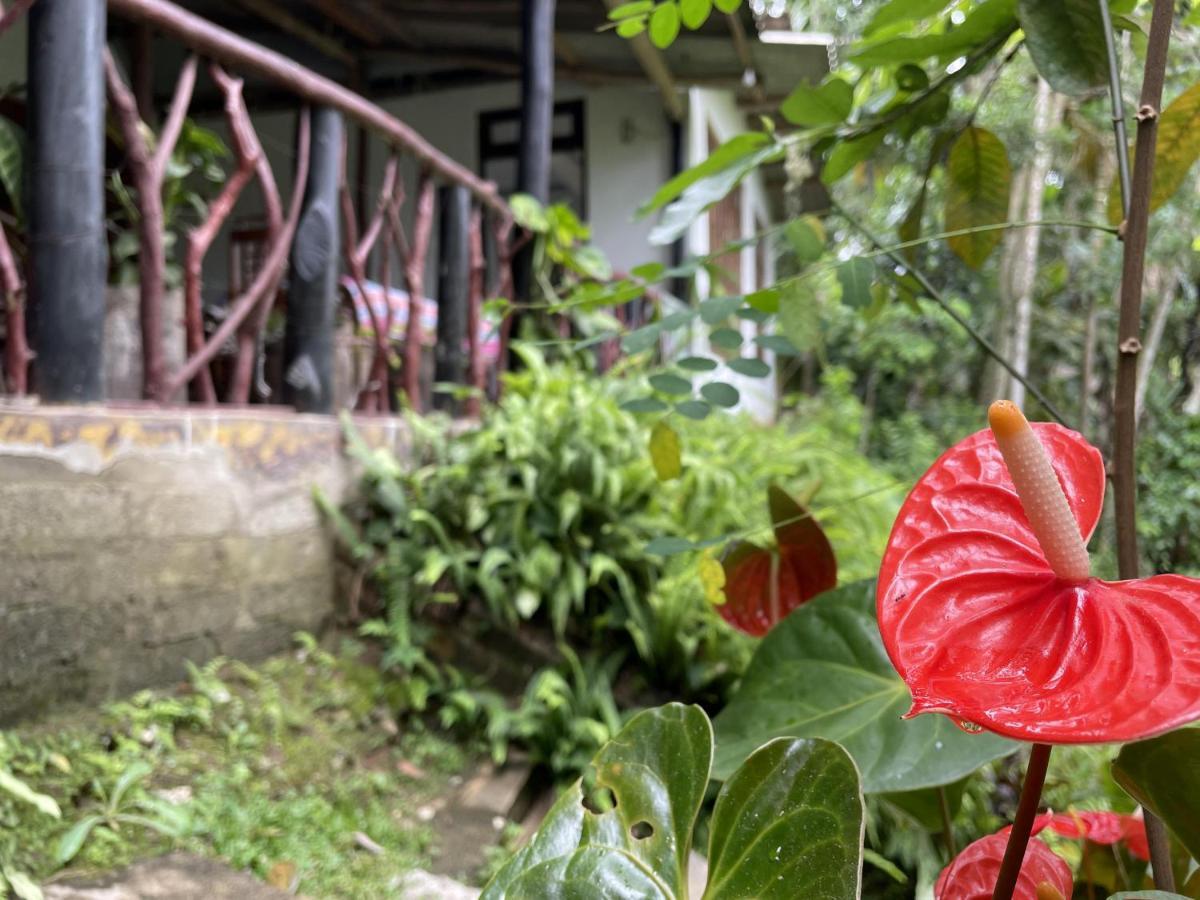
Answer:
(1176, 153)
(12, 163)
(627, 826)
(978, 179)
(823, 672)
(1163, 774)
(663, 19)
(1169, 496)
(828, 104)
(1066, 40)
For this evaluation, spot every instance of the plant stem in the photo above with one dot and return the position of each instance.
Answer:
(1129, 346)
(1116, 96)
(1018, 838)
(947, 822)
(934, 294)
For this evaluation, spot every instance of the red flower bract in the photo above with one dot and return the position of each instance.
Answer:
(981, 628)
(1099, 827)
(972, 875)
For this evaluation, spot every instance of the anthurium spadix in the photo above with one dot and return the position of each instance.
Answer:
(989, 611)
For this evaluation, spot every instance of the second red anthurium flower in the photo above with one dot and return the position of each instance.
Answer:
(989, 611)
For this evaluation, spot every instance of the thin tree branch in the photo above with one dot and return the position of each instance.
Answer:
(1129, 345)
(1018, 838)
(1116, 97)
(934, 294)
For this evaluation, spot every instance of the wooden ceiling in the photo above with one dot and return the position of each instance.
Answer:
(393, 47)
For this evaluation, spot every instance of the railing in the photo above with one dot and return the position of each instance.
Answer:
(383, 236)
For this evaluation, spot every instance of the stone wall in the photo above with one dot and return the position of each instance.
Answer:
(131, 541)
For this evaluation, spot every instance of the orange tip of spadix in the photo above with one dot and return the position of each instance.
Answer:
(1006, 419)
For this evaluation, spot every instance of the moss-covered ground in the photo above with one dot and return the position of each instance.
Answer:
(294, 770)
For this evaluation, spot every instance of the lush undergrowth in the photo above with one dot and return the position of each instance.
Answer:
(273, 769)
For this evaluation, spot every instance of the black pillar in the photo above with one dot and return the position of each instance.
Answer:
(454, 288)
(312, 294)
(537, 117)
(68, 252)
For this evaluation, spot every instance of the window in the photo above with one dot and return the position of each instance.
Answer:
(500, 147)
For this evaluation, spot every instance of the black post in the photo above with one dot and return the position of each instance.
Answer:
(537, 117)
(312, 294)
(454, 289)
(69, 255)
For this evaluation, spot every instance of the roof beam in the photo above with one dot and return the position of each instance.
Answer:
(656, 70)
(272, 12)
(349, 20)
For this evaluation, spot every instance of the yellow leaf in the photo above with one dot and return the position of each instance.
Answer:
(281, 875)
(665, 452)
(978, 178)
(712, 577)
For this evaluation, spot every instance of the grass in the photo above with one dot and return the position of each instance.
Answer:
(278, 769)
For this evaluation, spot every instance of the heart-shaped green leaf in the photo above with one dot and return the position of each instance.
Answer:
(657, 771)
(823, 672)
(1163, 774)
(789, 823)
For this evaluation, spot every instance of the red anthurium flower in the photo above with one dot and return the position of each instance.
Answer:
(972, 875)
(1099, 827)
(763, 585)
(989, 612)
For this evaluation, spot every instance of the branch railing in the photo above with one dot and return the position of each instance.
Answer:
(383, 238)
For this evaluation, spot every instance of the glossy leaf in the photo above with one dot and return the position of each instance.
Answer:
(763, 585)
(823, 672)
(1177, 152)
(897, 11)
(1163, 774)
(732, 152)
(695, 12)
(788, 824)
(982, 630)
(1066, 41)
(848, 154)
(657, 771)
(824, 104)
(978, 180)
(972, 875)
(664, 25)
(665, 452)
(1146, 895)
(990, 20)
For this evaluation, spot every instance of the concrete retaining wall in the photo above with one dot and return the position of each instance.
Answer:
(131, 541)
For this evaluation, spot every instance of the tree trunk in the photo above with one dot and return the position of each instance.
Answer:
(1047, 111)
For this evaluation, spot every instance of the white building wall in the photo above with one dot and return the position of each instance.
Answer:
(717, 112)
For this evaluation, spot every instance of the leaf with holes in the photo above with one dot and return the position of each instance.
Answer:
(654, 775)
(665, 452)
(1178, 150)
(1066, 41)
(978, 179)
(664, 24)
(823, 672)
(788, 824)
(1163, 774)
(825, 104)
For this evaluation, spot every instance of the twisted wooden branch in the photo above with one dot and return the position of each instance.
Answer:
(247, 150)
(148, 171)
(16, 347)
(268, 275)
